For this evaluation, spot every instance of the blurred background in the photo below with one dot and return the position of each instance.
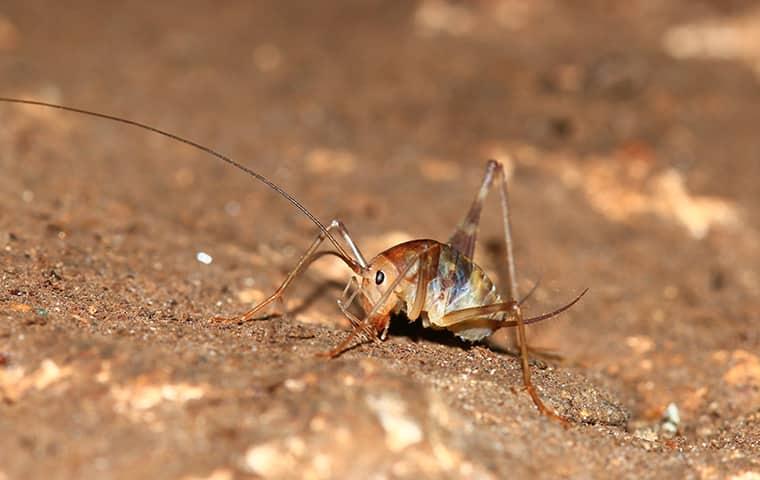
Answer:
(630, 134)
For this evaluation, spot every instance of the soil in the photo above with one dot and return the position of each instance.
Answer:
(630, 134)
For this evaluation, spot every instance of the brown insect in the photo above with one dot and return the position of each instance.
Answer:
(438, 283)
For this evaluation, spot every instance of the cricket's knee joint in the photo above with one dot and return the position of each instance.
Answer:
(514, 310)
(493, 164)
(495, 169)
(335, 223)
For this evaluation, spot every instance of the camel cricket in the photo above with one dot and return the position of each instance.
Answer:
(436, 282)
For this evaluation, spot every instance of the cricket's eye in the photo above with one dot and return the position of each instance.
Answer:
(379, 277)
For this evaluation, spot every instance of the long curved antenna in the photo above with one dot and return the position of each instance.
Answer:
(354, 265)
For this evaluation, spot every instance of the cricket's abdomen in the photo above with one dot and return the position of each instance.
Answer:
(458, 283)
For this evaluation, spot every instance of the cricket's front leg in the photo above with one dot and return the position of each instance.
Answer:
(306, 259)
(372, 328)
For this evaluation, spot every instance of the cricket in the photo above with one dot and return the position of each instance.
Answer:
(437, 283)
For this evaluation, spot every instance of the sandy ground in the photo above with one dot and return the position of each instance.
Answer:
(631, 137)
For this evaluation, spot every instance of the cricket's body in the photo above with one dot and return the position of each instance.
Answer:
(437, 282)
(457, 283)
(441, 284)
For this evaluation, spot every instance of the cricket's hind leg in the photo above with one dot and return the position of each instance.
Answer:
(514, 313)
(464, 239)
(306, 259)
(513, 296)
(539, 354)
(466, 233)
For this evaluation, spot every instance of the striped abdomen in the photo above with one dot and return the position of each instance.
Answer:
(454, 283)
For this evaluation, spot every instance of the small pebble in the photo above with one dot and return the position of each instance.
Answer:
(204, 258)
(670, 420)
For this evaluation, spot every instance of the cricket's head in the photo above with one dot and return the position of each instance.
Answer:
(384, 271)
(379, 275)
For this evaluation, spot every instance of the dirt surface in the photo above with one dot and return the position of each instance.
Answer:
(631, 136)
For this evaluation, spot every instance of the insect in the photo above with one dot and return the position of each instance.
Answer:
(436, 282)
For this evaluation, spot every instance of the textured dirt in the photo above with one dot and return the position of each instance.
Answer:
(631, 135)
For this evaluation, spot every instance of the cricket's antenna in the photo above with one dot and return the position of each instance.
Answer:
(202, 148)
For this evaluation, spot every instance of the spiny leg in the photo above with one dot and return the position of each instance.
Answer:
(344, 303)
(514, 311)
(303, 262)
(343, 345)
(370, 327)
(472, 313)
(464, 237)
(359, 326)
(346, 299)
(523, 342)
(427, 269)
(466, 233)
(376, 321)
(464, 241)
(542, 353)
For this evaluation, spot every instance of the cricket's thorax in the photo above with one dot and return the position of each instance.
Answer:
(456, 283)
